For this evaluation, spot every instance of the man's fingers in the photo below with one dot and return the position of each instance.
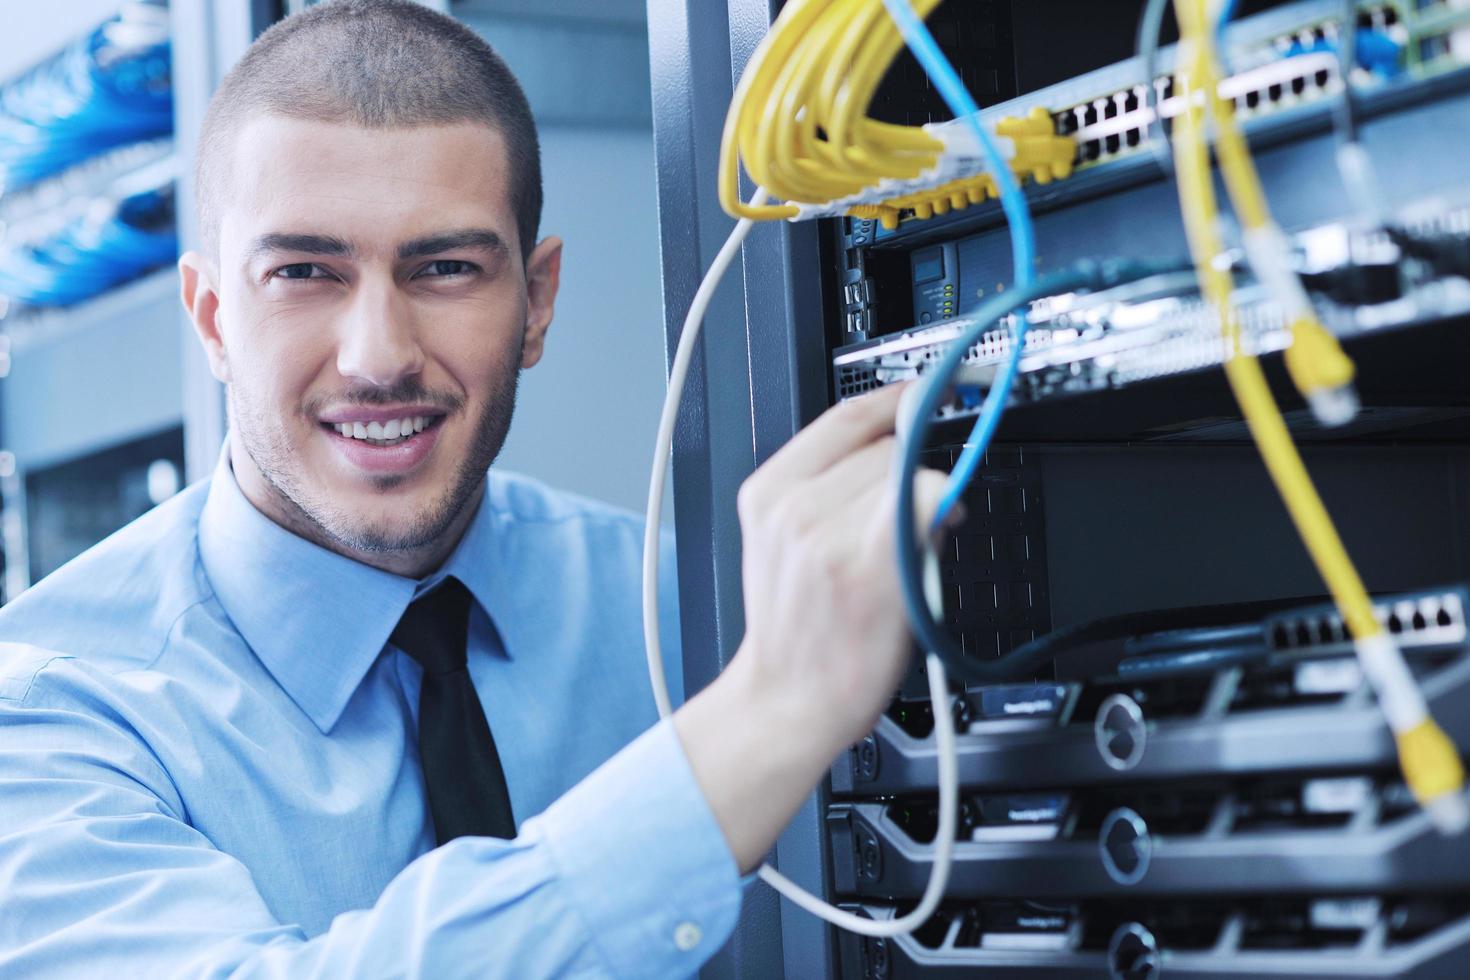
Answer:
(848, 477)
(871, 511)
(928, 492)
(834, 435)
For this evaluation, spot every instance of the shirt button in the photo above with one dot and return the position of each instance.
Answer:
(687, 936)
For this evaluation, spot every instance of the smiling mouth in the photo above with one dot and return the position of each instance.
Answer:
(394, 432)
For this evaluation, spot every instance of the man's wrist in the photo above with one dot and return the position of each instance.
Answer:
(756, 749)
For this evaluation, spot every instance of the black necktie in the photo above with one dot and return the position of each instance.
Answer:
(462, 774)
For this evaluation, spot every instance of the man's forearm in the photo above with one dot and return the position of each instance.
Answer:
(756, 751)
(826, 642)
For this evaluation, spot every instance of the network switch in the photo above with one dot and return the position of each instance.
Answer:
(1280, 693)
(1407, 935)
(1159, 327)
(1348, 832)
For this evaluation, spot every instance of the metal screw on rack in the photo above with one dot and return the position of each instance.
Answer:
(1120, 732)
(1133, 953)
(865, 759)
(1125, 846)
(875, 955)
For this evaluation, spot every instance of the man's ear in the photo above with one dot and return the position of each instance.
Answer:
(200, 293)
(543, 277)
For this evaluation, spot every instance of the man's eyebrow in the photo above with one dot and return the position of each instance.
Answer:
(310, 244)
(449, 241)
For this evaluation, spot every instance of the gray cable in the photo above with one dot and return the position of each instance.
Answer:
(1354, 166)
(1347, 53)
(1147, 46)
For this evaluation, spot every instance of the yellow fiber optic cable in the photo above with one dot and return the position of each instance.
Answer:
(1316, 362)
(798, 119)
(799, 123)
(1430, 762)
(787, 29)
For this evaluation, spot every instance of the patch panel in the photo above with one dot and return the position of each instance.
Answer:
(1285, 74)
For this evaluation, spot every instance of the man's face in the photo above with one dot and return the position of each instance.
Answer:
(373, 313)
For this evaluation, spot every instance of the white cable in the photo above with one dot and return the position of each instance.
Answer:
(938, 683)
(943, 839)
(653, 516)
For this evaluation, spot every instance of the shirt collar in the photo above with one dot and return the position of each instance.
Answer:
(317, 620)
(473, 560)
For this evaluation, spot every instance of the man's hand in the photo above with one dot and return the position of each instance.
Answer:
(826, 638)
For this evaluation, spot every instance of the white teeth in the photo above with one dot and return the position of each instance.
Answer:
(385, 433)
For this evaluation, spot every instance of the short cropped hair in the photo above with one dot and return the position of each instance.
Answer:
(380, 64)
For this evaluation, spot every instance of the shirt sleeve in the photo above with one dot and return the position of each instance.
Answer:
(627, 875)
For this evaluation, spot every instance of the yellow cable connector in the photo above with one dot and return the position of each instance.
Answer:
(1432, 768)
(1322, 372)
(1041, 154)
(1327, 386)
(881, 213)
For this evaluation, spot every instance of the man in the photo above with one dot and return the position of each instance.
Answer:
(233, 735)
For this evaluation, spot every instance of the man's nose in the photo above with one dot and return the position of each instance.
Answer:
(378, 341)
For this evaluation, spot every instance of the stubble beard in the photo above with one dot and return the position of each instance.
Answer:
(312, 516)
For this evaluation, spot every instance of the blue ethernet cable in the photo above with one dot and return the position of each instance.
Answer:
(108, 88)
(1226, 15)
(1023, 238)
(92, 253)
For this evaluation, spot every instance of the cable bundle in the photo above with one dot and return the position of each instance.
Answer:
(799, 122)
(105, 90)
(112, 243)
(1429, 760)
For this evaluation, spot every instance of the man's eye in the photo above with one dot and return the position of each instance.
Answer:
(448, 267)
(299, 270)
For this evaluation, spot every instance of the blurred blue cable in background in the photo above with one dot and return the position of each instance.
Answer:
(105, 90)
(112, 243)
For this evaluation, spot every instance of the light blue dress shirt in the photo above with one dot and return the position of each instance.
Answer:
(209, 761)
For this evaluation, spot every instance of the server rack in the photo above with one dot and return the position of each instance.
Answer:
(1138, 498)
(122, 366)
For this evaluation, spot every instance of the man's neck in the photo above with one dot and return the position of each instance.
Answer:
(412, 563)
